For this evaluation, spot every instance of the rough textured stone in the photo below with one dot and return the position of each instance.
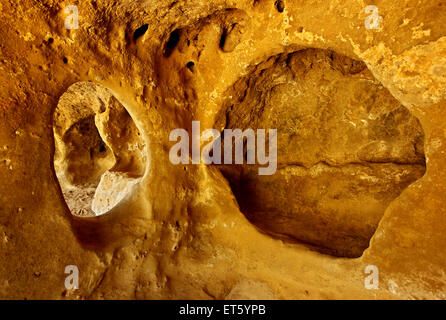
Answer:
(186, 231)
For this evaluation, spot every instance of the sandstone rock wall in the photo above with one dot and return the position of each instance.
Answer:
(347, 193)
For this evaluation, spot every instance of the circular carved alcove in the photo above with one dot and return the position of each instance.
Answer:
(100, 153)
(346, 149)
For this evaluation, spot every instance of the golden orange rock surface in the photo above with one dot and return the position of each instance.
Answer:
(90, 91)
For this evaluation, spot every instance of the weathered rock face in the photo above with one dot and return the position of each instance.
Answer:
(86, 114)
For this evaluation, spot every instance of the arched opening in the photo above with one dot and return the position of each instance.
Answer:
(100, 153)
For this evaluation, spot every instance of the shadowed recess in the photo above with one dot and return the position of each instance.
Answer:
(346, 149)
(100, 154)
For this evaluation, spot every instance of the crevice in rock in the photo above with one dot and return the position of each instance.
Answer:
(346, 150)
(280, 6)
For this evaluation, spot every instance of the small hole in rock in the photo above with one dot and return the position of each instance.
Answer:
(339, 166)
(99, 157)
(65, 60)
(140, 32)
(171, 44)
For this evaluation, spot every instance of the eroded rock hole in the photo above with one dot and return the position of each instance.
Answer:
(191, 65)
(100, 155)
(223, 39)
(140, 32)
(346, 150)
